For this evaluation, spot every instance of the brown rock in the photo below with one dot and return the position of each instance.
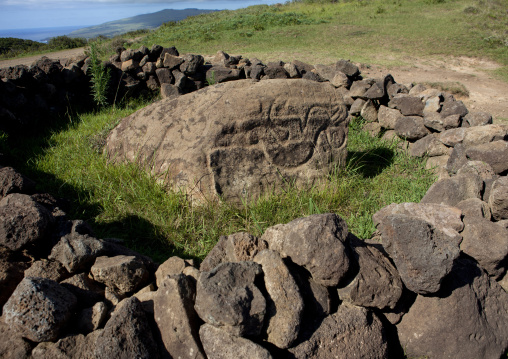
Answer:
(90, 319)
(170, 91)
(407, 105)
(422, 253)
(49, 269)
(494, 153)
(474, 207)
(127, 334)
(172, 266)
(468, 319)
(222, 132)
(227, 297)
(39, 309)
(411, 128)
(284, 301)
(122, 274)
(233, 248)
(12, 266)
(498, 199)
(11, 181)
(70, 347)
(77, 251)
(219, 344)
(486, 242)
(388, 117)
(377, 283)
(484, 134)
(316, 242)
(23, 222)
(478, 119)
(369, 111)
(176, 318)
(451, 191)
(350, 331)
(452, 137)
(12, 345)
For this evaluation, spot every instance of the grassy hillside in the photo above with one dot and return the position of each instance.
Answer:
(371, 31)
(144, 21)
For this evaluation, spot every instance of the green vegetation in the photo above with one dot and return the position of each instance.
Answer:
(99, 75)
(12, 47)
(124, 201)
(382, 32)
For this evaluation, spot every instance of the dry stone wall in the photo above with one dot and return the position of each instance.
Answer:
(431, 282)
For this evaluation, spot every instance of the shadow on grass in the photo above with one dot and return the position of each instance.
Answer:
(370, 163)
(137, 233)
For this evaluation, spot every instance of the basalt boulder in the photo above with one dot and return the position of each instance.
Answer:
(239, 138)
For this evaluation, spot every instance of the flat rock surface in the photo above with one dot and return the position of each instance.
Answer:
(238, 138)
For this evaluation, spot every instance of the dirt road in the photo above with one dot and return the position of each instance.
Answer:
(485, 92)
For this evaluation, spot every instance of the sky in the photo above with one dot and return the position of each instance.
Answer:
(28, 14)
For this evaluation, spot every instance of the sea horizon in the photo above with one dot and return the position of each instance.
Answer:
(40, 34)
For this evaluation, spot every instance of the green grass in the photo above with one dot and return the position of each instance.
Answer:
(382, 32)
(125, 202)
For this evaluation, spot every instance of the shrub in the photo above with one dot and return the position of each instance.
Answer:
(100, 75)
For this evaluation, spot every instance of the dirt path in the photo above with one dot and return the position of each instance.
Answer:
(59, 55)
(485, 92)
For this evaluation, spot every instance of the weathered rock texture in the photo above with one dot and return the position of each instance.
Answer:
(237, 139)
(430, 281)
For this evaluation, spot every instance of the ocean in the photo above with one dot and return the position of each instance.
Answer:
(39, 34)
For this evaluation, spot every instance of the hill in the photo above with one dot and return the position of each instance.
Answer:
(144, 21)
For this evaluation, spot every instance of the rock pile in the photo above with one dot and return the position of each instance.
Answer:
(429, 283)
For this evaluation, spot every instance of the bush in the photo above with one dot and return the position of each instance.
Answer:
(66, 42)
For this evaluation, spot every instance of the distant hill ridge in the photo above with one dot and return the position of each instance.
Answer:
(144, 21)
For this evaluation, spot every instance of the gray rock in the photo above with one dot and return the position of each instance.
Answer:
(170, 91)
(233, 248)
(164, 76)
(317, 298)
(432, 105)
(457, 159)
(127, 334)
(172, 62)
(292, 70)
(373, 128)
(478, 135)
(494, 153)
(437, 122)
(23, 221)
(498, 199)
(227, 297)
(284, 305)
(407, 105)
(369, 111)
(486, 242)
(77, 251)
(317, 243)
(11, 181)
(477, 118)
(377, 283)
(452, 137)
(474, 207)
(359, 88)
(176, 318)
(219, 344)
(443, 217)
(422, 253)
(388, 117)
(246, 130)
(411, 128)
(39, 308)
(357, 106)
(350, 331)
(468, 319)
(477, 168)
(122, 274)
(451, 191)
(430, 146)
(191, 64)
(348, 68)
(452, 107)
